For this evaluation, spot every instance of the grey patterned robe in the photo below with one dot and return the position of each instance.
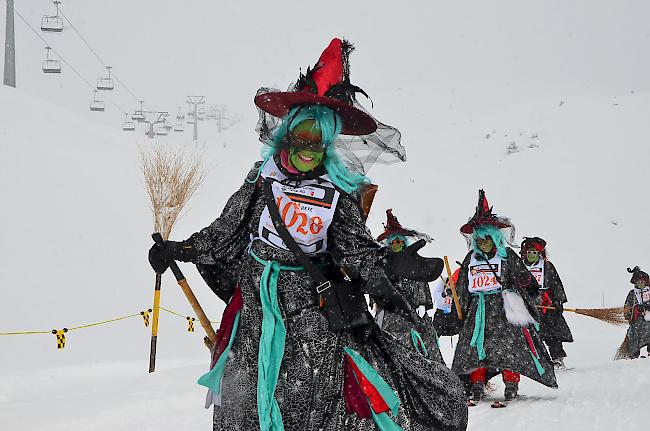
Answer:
(505, 344)
(553, 324)
(310, 386)
(417, 293)
(638, 332)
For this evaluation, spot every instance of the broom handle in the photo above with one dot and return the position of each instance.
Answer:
(185, 287)
(544, 307)
(453, 290)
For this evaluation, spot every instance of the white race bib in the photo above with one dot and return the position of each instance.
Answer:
(537, 271)
(481, 276)
(307, 208)
(642, 295)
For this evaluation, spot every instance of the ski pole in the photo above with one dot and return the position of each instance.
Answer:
(453, 290)
(154, 324)
(185, 287)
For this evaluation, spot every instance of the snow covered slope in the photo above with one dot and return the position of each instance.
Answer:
(566, 83)
(119, 396)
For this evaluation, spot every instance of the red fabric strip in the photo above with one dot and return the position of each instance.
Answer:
(355, 400)
(529, 339)
(227, 322)
(372, 394)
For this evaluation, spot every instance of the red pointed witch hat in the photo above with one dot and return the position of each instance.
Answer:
(484, 216)
(328, 84)
(393, 227)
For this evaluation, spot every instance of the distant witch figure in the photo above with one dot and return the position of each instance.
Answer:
(554, 329)
(296, 350)
(497, 296)
(421, 335)
(637, 312)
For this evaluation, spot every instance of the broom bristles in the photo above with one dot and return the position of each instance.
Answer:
(623, 351)
(171, 178)
(613, 315)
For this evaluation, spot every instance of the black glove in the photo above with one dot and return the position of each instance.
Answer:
(387, 297)
(161, 256)
(409, 264)
(559, 308)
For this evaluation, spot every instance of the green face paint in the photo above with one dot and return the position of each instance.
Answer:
(532, 256)
(397, 245)
(306, 160)
(639, 284)
(485, 244)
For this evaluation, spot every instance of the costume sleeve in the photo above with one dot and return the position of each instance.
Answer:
(425, 293)
(554, 283)
(629, 305)
(225, 240)
(519, 277)
(351, 244)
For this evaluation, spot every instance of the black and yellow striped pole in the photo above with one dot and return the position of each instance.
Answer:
(154, 324)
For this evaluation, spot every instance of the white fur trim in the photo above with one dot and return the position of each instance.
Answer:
(646, 315)
(516, 310)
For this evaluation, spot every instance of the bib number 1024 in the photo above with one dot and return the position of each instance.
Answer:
(305, 224)
(483, 281)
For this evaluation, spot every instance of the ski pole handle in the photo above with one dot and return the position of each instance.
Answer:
(158, 239)
(185, 287)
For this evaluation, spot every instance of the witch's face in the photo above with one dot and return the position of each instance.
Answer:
(486, 244)
(397, 245)
(306, 150)
(639, 284)
(532, 255)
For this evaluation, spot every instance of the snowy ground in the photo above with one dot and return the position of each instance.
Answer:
(121, 396)
(462, 82)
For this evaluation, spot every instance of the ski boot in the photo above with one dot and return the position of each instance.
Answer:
(510, 392)
(477, 392)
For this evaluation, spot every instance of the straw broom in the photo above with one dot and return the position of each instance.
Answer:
(171, 178)
(613, 315)
(623, 352)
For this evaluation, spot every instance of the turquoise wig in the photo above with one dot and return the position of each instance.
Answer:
(395, 236)
(483, 232)
(329, 123)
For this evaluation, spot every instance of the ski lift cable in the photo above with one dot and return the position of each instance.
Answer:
(63, 60)
(83, 39)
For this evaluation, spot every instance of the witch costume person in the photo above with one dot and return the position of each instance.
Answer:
(292, 257)
(554, 329)
(421, 336)
(497, 296)
(637, 312)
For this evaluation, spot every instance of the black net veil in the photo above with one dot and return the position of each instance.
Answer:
(358, 153)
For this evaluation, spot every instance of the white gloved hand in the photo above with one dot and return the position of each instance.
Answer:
(421, 310)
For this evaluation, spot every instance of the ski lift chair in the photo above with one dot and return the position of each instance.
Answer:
(52, 23)
(106, 83)
(138, 116)
(128, 126)
(178, 127)
(97, 105)
(162, 131)
(50, 65)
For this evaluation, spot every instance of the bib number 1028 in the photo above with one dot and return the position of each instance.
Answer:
(305, 224)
